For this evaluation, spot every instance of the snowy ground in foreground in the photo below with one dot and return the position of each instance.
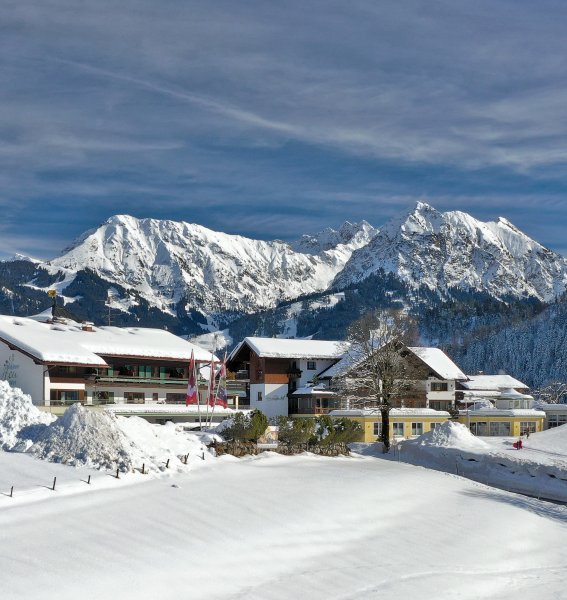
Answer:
(276, 527)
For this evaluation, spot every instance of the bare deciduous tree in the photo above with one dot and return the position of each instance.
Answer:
(375, 373)
(552, 393)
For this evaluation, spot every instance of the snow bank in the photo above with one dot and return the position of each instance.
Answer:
(552, 440)
(103, 441)
(539, 470)
(450, 435)
(17, 412)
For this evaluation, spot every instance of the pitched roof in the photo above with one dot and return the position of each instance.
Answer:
(438, 362)
(67, 343)
(492, 382)
(293, 348)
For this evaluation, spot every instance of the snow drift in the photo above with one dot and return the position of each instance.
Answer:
(103, 441)
(17, 412)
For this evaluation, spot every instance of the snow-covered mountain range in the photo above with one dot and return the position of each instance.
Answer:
(168, 262)
(453, 250)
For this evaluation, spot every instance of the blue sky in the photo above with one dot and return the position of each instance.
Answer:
(272, 119)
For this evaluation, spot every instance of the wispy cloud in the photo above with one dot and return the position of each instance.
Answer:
(296, 113)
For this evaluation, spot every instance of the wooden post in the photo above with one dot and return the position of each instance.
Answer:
(89, 480)
(167, 464)
(203, 455)
(117, 473)
(54, 482)
(12, 492)
(143, 468)
(186, 457)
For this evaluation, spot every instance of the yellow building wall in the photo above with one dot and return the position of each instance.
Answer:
(367, 424)
(514, 421)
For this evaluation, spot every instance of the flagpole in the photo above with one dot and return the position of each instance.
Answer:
(210, 387)
(198, 397)
(217, 390)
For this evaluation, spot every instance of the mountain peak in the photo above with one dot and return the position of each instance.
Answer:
(355, 234)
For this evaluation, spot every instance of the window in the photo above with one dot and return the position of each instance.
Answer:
(440, 404)
(145, 371)
(311, 365)
(134, 397)
(479, 428)
(155, 397)
(556, 420)
(527, 427)
(377, 425)
(416, 428)
(63, 397)
(102, 397)
(175, 398)
(439, 386)
(259, 397)
(500, 429)
(398, 429)
(432, 426)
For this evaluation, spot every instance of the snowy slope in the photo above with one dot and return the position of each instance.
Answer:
(347, 528)
(454, 250)
(168, 261)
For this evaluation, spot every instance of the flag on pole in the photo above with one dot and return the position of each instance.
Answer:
(220, 399)
(212, 383)
(192, 396)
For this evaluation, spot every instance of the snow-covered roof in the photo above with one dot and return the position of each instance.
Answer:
(293, 348)
(492, 382)
(313, 391)
(394, 412)
(438, 362)
(67, 343)
(497, 412)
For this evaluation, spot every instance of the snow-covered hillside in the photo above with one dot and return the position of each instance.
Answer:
(425, 247)
(168, 261)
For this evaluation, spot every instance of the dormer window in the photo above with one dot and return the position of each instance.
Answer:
(311, 365)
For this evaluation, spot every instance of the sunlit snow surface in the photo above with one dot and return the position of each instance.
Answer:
(275, 528)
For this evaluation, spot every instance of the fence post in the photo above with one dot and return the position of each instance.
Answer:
(117, 473)
(54, 482)
(89, 480)
(12, 492)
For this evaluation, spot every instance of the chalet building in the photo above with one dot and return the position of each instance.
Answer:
(282, 373)
(432, 378)
(59, 362)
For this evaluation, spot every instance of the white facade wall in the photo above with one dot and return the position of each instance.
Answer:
(448, 395)
(21, 372)
(308, 374)
(274, 401)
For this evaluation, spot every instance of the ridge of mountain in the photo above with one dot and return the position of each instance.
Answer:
(453, 250)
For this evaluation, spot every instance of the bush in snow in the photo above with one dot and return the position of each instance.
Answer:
(17, 412)
(336, 431)
(295, 431)
(246, 427)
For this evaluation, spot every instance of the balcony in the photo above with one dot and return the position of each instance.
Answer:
(146, 381)
(294, 373)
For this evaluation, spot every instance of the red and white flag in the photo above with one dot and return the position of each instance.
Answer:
(192, 396)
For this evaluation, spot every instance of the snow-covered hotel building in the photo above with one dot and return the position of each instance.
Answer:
(59, 362)
(283, 371)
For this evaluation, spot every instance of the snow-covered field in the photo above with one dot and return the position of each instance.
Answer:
(277, 527)
(269, 527)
